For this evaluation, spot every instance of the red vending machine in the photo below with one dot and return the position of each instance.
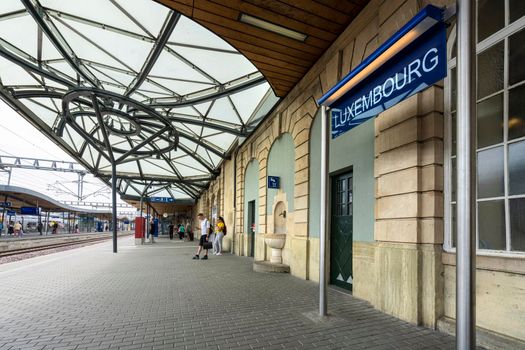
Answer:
(140, 229)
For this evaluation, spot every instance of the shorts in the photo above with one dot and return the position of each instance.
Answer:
(202, 240)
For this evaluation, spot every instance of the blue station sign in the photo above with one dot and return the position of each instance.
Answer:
(161, 200)
(29, 210)
(5, 204)
(410, 61)
(273, 181)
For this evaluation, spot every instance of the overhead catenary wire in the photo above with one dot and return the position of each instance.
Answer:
(28, 141)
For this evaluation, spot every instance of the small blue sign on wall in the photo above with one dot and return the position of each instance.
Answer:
(273, 181)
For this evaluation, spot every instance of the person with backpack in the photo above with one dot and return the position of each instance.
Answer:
(220, 232)
(205, 234)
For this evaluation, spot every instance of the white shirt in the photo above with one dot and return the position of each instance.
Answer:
(205, 225)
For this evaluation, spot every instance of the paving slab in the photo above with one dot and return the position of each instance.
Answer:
(156, 297)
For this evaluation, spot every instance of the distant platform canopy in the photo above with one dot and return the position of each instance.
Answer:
(130, 82)
(19, 197)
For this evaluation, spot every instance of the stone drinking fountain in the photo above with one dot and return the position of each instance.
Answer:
(276, 242)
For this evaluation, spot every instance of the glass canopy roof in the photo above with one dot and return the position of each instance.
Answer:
(130, 82)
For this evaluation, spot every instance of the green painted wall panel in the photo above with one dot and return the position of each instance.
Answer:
(281, 162)
(353, 150)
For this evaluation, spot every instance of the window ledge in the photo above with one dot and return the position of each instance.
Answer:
(492, 262)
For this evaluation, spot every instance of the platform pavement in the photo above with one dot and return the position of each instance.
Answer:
(157, 297)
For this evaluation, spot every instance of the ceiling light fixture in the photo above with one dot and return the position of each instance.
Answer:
(260, 23)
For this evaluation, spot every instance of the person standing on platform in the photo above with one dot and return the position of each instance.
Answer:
(171, 227)
(205, 233)
(220, 232)
(18, 228)
(39, 227)
(152, 230)
(182, 229)
(189, 231)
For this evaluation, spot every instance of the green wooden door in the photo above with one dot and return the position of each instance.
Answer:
(341, 231)
(251, 227)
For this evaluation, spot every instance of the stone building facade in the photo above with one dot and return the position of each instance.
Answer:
(399, 261)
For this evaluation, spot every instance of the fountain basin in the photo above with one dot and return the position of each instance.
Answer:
(275, 241)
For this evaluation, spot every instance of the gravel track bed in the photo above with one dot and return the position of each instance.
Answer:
(22, 256)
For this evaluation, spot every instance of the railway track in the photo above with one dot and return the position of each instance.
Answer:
(53, 245)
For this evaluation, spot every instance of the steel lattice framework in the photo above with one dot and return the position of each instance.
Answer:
(130, 84)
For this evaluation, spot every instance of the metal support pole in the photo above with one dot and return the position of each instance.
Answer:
(147, 221)
(114, 203)
(466, 179)
(80, 187)
(47, 222)
(5, 200)
(143, 239)
(323, 200)
(3, 215)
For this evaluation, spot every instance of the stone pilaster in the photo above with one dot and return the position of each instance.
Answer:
(409, 208)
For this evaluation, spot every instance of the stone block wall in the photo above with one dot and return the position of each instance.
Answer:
(500, 296)
(409, 208)
(402, 270)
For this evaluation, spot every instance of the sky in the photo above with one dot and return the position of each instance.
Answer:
(21, 139)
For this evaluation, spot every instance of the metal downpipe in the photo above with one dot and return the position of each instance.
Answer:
(323, 303)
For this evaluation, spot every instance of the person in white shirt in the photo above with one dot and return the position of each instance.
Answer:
(204, 227)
